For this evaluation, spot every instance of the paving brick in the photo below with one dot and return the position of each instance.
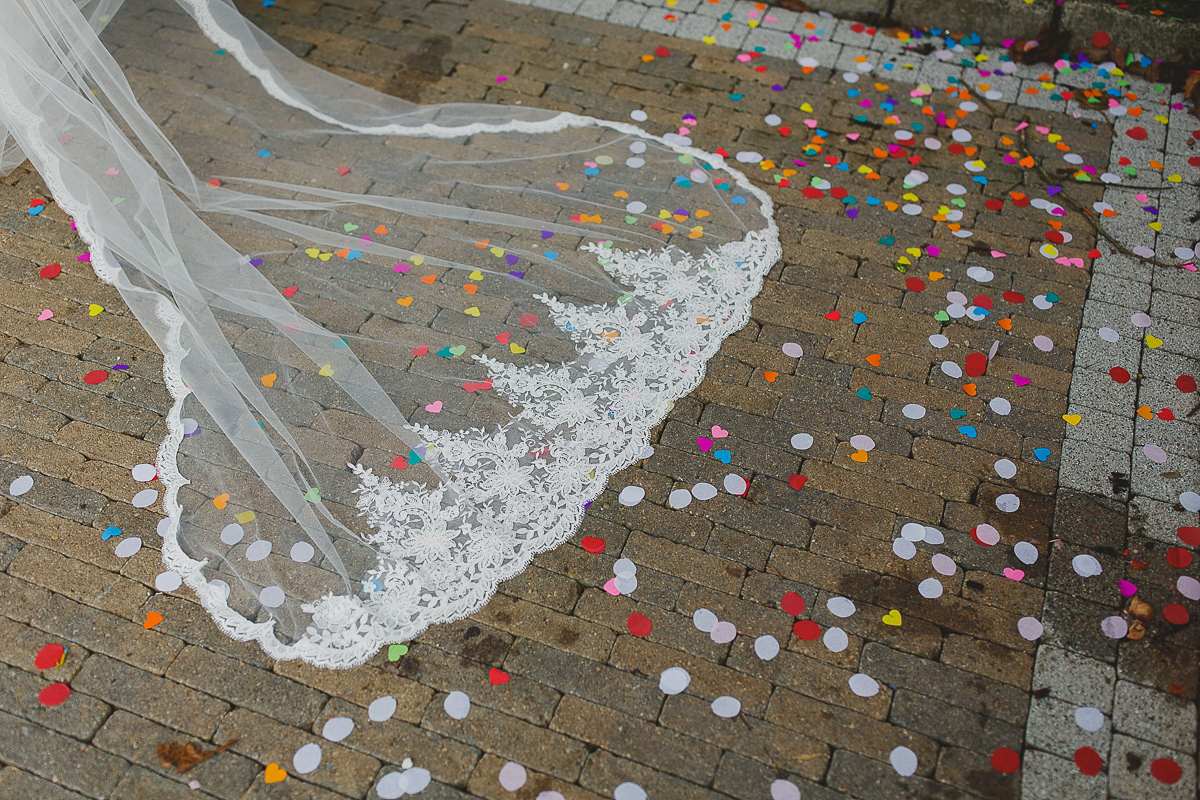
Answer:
(79, 717)
(16, 783)
(84, 583)
(58, 759)
(864, 777)
(273, 695)
(135, 739)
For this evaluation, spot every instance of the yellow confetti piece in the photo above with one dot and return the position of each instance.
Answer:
(244, 517)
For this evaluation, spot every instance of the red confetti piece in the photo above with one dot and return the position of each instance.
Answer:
(812, 192)
(49, 656)
(54, 694)
(983, 301)
(50, 271)
(807, 630)
(994, 204)
(1189, 535)
(529, 319)
(95, 376)
(1088, 761)
(400, 462)
(1176, 614)
(662, 52)
(1093, 253)
(1185, 383)
(1014, 297)
(797, 481)
(834, 316)
(792, 603)
(1101, 39)
(290, 291)
(1179, 558)
(1005, 760)
(1166, 414)
(592, 544)
(1119, 374)
(1166, 770)
(497, 677)
(639, 624)
(915, 285)
(1055, 236)
(1136, 132)
(976, 365)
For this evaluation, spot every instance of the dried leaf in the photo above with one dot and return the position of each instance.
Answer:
(1141, 609)
(183, 757)
(1136, 630)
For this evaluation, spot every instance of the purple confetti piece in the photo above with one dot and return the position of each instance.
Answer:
(120, 366)
(256, 262)
(547, 234)
(517, 274)
(511, 259)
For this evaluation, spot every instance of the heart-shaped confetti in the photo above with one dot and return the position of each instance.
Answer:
(893, 618)
(50, 656)
(152, 619)
(593, 544)
(45, 315)
(1014, 574)
(435, 407)
(220, 501)
(269, 380)
(274, 773)
(797, 481)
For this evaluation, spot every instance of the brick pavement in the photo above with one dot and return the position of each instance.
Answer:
(583, 711)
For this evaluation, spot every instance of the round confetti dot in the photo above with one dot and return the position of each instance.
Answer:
(1109, 335)
(1101, 39)
(939, 341)
(1089, 719)
(1088, 761)
(704, 620)
(1179, 558)
(944, 564)
(802, 441)
(904, 761)
(766, 647)
(1086, 565)
(1155, 453)
(723, 632)
(168, 581)
(674, 680)
(307, 758)
(629, 791)
(128, 547)
(631, 495)
(271, 597)
(1120, 375)
(638, 115)
(20, 485)
(1043, 343)
(337, 728)
(1005, 760)
(679, 498)
(726, 707)
(913, 531)
(704, 491)
(95, 377)
(302, 552)
(624, 568)
(985, 534)
(1008, 502)
(1000, 405)
(1114, 627)
(1030, 628)
(512, 776)
(736, 485)
(862, 442)
(381, 709)
(258, 550)
(951, 369)
(904, 549)
(784, 790)
(144, 472)
(835, 640)
(1185, 383)
(1188, 586)
(913, 411)
(807, 630)
(930, 588)
(793, 350)
(639, 624)
(145, 498)
(933, 535)
(792, 603)
(863, 685)
(1166, 770)
(457, 705)
(1005, 468)
(232, 533)
(1190, 501)
(841, 607)
(1025, 552)
(550, 794)
(1175, 614)
(1141, 320)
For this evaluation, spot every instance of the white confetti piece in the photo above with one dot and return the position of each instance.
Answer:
(841, 607)
(904, 761)
(512, 776)
(704, 620)
(944, 564)
(1086, 565)
(272, 596)
(337, 728)
(1030, 628)
(21, 485)
(835, 640)
(307, 758)
(723, 632)
(144, 472)
(167, 581)
(679, 498)
(674, 680)
(629, 791)
(302, 552)
(802, 441)
(726, 707)
(145, 498)
(631, 495)
(457, 705)
(232, 533)
(930, 588)
(863, 685)
(258, 550)
(1089, 719)
(129, 547)
(381, 708)
(766, 647)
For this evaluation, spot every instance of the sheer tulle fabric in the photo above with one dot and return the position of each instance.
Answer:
(408, 343)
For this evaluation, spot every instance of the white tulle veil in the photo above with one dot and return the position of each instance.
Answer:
(408, 344)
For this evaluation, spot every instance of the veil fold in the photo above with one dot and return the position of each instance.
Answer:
(408, 344)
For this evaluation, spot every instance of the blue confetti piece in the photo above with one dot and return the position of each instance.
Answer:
(353, 254)
(724, 456)
(859, 118)
(859, 318)
(445, 352)
(853, 93)
(591, 171)
(220, 52)
(1041, 454)
(1052, 297)
(550, 255)
(917, 126)
(957, 413)
(736, 97)
(683, 182)
(339, 343)
(738, 200)
(864, 393)
(414, 457)
(35, 210)
(110, 532)
(873, 201)
(264, 153)
(968, 431)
